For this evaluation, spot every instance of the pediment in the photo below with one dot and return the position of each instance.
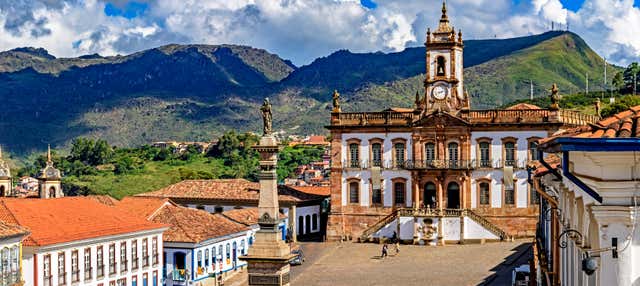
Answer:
(440, 118)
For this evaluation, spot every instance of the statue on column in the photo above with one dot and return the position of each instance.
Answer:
(336, 101)
(555, 98)
(266, 117)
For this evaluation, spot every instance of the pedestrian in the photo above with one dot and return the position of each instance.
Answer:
(394, 237)
(384, 250)
(397, 246)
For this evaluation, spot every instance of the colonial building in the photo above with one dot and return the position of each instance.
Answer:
(11, 237)
(588, 232)
(220, 195)
(199, 246)
(79, 241)
(5, 177)
(48, 182)
(440, 154)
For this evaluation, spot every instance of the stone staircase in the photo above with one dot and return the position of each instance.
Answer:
(432, 213)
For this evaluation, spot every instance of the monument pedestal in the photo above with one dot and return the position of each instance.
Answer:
(269, 255)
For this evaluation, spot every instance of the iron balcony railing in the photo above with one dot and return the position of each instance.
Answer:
(435, 164)
(438, 164)
(9, 278)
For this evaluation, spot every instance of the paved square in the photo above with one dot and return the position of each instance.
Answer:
(359, 264)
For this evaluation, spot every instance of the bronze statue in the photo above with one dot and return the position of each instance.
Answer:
(555, 98)
(597, 107)
(336, 101)
(266, 116)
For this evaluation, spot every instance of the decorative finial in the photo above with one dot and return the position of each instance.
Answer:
(444, 9)
(48, 153)
(417, 99)
(266, 117)
(336, 101)
(0, 152)
(460, 35)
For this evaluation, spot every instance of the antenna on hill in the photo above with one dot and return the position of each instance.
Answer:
(605, 74)
(531, 87)
(587, 87)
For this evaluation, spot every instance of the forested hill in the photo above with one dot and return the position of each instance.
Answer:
(196, 92)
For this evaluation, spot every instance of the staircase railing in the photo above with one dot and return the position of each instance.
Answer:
(364, 237)
(486, 224)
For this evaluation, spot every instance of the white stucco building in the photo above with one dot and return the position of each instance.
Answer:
(11, 237)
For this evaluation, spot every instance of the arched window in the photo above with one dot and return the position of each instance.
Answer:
(484, 193)
(429, 195)
(453, 196)
(376, 154)
(452, 148)
(4, 260)
(399, 154)
(307, 224)
(376, 196)
(354, 155)
(300, 225)
(354, 192)
(199, 261)
(52, 192)
(509, 154)
(314, 221)
(213, 257)
(485, 160)
(533, 151)
(399, 193)
(440, 66)
(206, 258)
(429, 152)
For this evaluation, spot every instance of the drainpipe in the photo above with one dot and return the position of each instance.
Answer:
(575, 180)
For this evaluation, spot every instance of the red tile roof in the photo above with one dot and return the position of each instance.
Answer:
(193, 225)
(144, 207)
(104, 199)
(315, 139)
(552, 159)
(12, 230)
(246, 216)
(621, 125)
(313, 190)
(222, 190)
(523, 106)
(53, 221)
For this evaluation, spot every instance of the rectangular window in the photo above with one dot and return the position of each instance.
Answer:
(123, 257)
(112, 283)
(134, 255)
(376, 196)
(509, 154)
(62, 274)
(145, 253)
(134, 280)
(354, 192)
(87, 263)
(453, 154)
(485, 161)
(154, 250)
(376, 154)
(484, 193)
(112, 259)
(154, 278)
(122, 282)
(533, 151)
(354, 155)
(400, 158)
(509, 196)
(206, 258)
(46, 264)
(429, 152)
(75, 271)
(145, 278)
(100, 263)
(399, 193)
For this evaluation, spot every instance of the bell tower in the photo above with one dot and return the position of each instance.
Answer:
(444, 89)
(5, 177)
(49, 180)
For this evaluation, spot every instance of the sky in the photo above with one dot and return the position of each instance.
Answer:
(302, 30)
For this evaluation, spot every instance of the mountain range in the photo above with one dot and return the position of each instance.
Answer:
(196, 92)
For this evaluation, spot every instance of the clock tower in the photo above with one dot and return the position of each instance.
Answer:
(444, 90)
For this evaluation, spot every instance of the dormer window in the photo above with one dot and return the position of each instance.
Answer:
(440, 66)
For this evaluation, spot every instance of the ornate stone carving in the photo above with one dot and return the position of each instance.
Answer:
(336, 101)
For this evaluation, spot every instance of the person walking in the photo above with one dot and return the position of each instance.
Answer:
(384, 251)
(397, 245)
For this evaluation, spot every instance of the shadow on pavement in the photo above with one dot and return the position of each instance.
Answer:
(502, 272)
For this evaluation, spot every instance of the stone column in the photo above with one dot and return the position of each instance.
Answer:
(292, 223)
(416, 194)
(440, 193)
(269, 256)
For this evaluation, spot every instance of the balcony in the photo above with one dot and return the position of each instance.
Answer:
(439, 164)
(10, 278)
(434, 164)
(373, 118)
(179, 275)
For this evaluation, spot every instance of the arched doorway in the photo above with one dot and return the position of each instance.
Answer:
(2, 191)
(307, 224)
(300, 225)
(429, 195)
(453, 196)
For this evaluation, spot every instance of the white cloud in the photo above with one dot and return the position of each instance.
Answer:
(302, 30)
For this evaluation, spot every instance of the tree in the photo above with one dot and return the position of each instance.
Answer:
(632, 76)
(618, 81)
(90, 152)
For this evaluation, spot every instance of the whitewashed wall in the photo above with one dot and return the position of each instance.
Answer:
(67, 248)
(304, 212)
(473, 230)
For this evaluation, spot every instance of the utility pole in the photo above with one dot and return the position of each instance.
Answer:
(531, 86)
(605, 78)
(587, 87)
(635, 77)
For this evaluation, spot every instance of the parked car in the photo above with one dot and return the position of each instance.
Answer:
(520, 275)
(299, 257)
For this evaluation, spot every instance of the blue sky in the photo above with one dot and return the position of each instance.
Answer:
(302, 30)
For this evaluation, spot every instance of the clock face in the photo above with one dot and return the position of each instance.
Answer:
(439, 92)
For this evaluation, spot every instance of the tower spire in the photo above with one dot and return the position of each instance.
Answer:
(444, 12)
(48, 153)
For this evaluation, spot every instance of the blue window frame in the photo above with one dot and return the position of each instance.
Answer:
(155, 279)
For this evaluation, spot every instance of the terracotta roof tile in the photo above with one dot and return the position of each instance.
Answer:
(314, 190)
(246, 216)
(222, 190)
(11, 230)
(193, 225)
(621, 125)
(53, 221)
(104, 199)
(552, 159)
(522, 106)
(144, 207)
